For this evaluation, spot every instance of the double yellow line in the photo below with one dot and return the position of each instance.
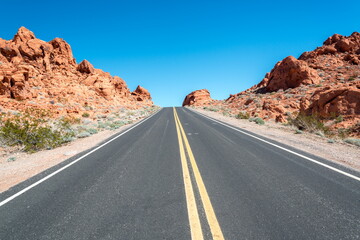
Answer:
(193, 214)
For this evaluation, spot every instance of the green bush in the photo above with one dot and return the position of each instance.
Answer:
(354, 141)
(311, 123)
(83, 134)
(85, 115)
(92, 131)
(339, 119)
(33, 130)
(243, 115)
(259, 121)
(214, 109)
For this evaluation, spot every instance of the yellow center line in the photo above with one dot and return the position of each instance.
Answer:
(208, 208)
(195, 226)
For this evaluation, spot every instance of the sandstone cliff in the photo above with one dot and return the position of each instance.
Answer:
(39, 74)
(323, 82)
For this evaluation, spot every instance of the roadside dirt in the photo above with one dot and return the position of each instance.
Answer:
(26, 165)
(338, 151)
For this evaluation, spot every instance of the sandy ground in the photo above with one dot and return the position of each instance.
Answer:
(27, 165)
(345, 154)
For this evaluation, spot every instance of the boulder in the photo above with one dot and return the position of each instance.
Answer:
(141, 94)
(85, 67)
(291, 73)
(197, 98)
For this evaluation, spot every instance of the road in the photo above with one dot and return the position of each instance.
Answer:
(180, 175)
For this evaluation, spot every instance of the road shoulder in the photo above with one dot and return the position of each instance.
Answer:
(345, 154)
(29, 165)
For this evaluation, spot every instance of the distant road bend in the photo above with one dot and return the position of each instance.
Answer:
(181, 175)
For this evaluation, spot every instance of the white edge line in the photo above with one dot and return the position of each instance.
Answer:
(73, 162)
(282, 148)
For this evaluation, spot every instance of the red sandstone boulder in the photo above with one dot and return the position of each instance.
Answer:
(197, 98)
(141, 94)
(291, 73)
(85, 67)
(342, 101)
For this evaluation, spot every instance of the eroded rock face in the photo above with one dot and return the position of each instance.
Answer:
(39, 72)
(323, 82)
(341, 101)
(85, 67)
(197, 98)
(141, 94)
(291, 73)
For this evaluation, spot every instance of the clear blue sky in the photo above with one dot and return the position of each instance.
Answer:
(174, 47)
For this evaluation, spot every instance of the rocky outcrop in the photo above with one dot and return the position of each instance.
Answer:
(324, 82)
(291, 73)
(341, 101)
(141, 94)
(198, 98)
(85, 67)
(46, 75)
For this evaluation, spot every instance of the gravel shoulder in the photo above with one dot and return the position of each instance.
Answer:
(338, 152)
(27, 165)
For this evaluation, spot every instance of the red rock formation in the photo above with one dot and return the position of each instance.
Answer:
(340, 101)
(323, 82)
(39, 72)
(141, 94)
(291, 73)
(197, 98)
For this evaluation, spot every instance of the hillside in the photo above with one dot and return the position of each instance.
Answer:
(45, 75)
(323, 83)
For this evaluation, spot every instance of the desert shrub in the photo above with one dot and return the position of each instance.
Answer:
(339, 119)
(92, 131)
(70, 120)
(311, 123)
(101, 125)
(85, 115)
(213, 109)
(257, 120)
(243, 115)
(34, 130)
(354, 141)
(119, 122)
(83, 134)
(352, 78)
(226, 113)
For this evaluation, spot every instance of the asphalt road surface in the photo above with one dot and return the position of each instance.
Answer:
(180, 175)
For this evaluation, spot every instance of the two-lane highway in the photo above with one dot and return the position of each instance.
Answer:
(181, 175)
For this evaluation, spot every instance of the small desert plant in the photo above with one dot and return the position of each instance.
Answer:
(343, 133)
(92, 131)
(85, 115)
(257, 120)
(243, 115)
(352, 78)
(353, 141)
(83, 134)
(214, 109)
(311, 123)
(34, 131)
(339, 119)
